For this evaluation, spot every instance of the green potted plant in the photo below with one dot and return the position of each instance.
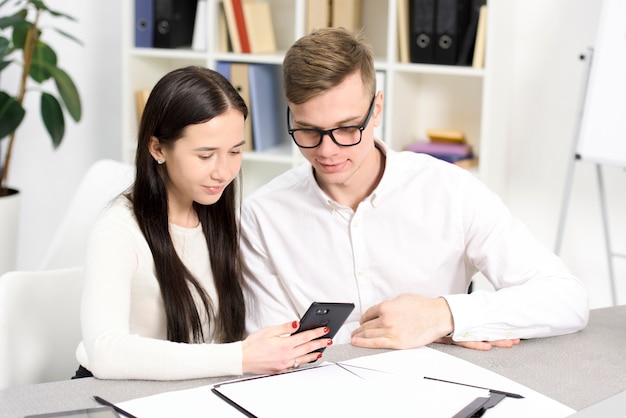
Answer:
(22, 43)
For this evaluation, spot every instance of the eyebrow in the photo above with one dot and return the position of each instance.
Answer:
(338, 124)
(240, 144)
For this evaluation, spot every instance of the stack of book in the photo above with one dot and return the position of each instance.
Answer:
(260, 86)
(444, 32)
(446, 145)
(247, 27)
(335, 13)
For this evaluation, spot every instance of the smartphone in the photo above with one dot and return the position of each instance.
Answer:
(325, 314)
(100, 412)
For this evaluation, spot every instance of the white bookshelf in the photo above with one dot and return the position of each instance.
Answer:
(417, 96)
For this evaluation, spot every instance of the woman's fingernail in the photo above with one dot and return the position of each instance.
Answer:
(319, 356)
(294, 324)
(326, 330)
(330, 342)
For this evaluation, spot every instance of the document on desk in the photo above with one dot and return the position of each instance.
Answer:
(391, 384)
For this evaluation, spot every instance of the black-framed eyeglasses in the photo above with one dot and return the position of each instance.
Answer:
(345, 136)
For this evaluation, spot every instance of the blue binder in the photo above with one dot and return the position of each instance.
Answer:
(144, 23)
(265, 106)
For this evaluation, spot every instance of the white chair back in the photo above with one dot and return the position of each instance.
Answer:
(39, 325)
(104, 180)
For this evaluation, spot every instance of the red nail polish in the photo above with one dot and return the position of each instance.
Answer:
(319, 356)
(294, 324)
(326, 330)
(330, 342)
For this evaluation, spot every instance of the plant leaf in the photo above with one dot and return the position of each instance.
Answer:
(69, 36)
(68, 91)
(44, 58)
(52, 116)
(19, 17)
(20, 30)
(4, 47)
(4, 64)
(11, 114)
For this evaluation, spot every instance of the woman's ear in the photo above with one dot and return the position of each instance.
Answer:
(156, 150)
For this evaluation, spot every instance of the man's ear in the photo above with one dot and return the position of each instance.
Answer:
(155, 149)
(378, 108)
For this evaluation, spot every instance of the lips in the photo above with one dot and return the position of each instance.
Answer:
(332, 168)
(214, 189)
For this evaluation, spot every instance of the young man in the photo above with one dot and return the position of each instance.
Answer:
(399, 234)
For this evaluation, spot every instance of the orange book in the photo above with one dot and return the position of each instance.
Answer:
(241, 25)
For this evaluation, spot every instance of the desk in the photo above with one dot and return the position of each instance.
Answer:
(577, 370)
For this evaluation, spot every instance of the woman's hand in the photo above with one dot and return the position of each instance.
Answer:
(274, 349)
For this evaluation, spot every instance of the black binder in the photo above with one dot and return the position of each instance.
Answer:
(422, 29)
(466, 52)
(452, 18)
(173, 23)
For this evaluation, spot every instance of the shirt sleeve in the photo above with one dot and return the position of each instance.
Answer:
(536, 295)
(110, 349)
(267, 301)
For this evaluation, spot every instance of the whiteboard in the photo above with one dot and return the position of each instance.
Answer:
(602, 137)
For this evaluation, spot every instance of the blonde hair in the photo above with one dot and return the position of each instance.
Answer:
(321, 60)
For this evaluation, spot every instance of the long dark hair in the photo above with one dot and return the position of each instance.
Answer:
(183, 97)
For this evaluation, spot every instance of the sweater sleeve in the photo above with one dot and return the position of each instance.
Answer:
(119, 276)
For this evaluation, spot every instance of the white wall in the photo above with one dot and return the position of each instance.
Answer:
(47, 178)
(550, 37)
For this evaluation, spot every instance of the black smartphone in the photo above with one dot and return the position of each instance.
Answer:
(325, 314)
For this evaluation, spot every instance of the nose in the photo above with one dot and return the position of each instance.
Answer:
(225, 168)
(328, 146)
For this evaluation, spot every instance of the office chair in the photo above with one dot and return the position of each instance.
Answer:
(104, 180)
(39, 325)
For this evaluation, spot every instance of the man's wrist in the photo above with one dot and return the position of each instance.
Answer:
(449, 319)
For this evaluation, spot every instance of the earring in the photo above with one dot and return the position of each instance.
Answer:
(159, 162)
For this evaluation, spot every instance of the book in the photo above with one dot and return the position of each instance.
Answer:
(478, 60)
(404, 53)
(317, 14)
(141, 97)
(422, 30)
(239, 78)
(265, 93)
(258, 19)
(446, 135)
(200, 33)
(346, 14)
(240, 22)
(450, 152)
(173, 23)
(144, 23)
(223, 37)
(451, 20)
(466, 50)
(231, 26)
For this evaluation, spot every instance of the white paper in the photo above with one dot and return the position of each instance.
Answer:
(391, 384)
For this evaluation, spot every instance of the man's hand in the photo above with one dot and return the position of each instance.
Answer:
(407, 321)
(480, 345)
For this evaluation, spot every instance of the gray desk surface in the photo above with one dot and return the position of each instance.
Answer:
(578, 370)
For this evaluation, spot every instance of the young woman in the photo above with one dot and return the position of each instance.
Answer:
(162, 294)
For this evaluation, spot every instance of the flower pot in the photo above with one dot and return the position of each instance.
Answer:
(9, 220)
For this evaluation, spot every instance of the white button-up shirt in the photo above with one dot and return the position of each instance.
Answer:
(426, 229)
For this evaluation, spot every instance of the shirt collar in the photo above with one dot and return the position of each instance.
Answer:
(374, 198)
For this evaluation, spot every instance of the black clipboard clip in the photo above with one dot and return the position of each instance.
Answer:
(478, 406)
